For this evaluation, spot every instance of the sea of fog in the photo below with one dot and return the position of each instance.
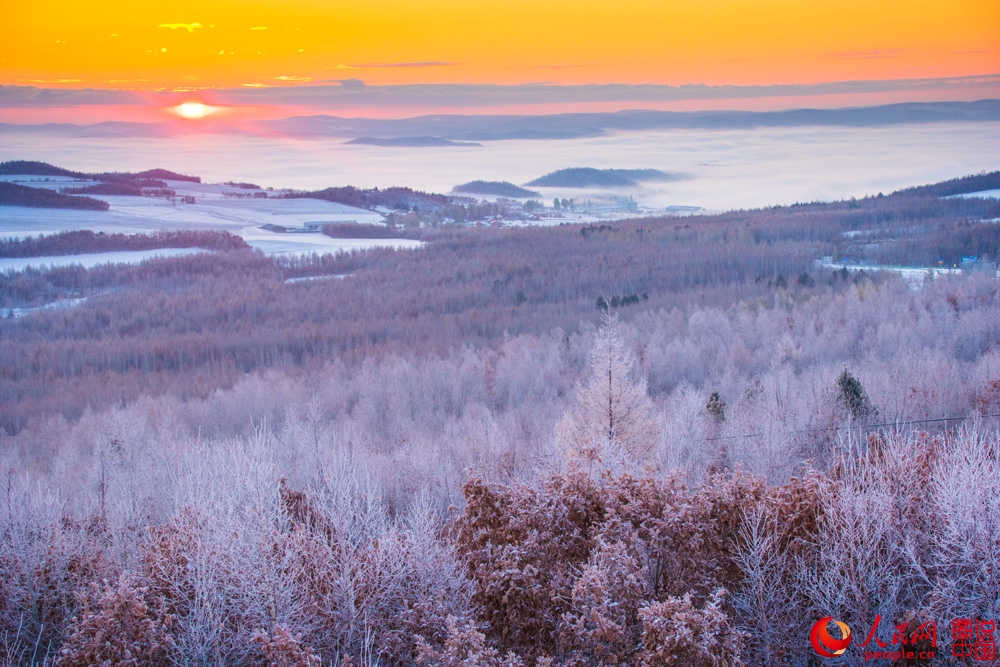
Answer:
(726, 168)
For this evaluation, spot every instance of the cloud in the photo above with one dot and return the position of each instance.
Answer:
(259, 27)
(564, 66)
(292, 77)
(351, 84)
(190, 27)
(422, 63)
(31, 96)
(337, 92)
(333, 92)
(872, 54)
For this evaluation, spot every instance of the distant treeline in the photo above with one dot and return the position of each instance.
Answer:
(12, 194)
(945, 243)
(957, 186)
(497, 188)
(128, 188)
(353, 230)
(84, 241)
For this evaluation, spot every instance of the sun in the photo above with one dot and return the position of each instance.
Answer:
(193, 110)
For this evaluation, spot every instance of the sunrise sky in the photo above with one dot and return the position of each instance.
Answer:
(187, 48)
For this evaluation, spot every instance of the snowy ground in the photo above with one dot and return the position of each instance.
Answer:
(54, 305)
(90, 259)
(214, 208)
(304, 244)
(550, 218)
(310, 279)
(985, 194)
(914, 276)
(51, 182)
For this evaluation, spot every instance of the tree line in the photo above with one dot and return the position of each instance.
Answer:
(87, 241)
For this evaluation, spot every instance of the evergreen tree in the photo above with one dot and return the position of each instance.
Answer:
(854, 397)
(716, 407)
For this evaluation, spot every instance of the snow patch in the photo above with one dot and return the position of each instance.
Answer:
(985, 194)
(92, 259)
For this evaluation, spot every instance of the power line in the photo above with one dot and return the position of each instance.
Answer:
(850, 428)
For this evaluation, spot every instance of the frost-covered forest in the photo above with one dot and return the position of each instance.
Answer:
(661, 441)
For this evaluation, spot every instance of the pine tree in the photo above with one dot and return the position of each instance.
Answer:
(716, 408)
(852, 395)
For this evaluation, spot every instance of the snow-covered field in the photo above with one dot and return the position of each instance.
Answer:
(214, 207)
(914, 276)
(53, 305)
(985, 194)
(304, 244)
(51, 182)
(88, 260)
(310, 279)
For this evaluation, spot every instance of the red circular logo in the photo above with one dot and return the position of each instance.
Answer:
(825, 643)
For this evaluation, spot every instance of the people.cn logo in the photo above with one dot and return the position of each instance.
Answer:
(825, 643)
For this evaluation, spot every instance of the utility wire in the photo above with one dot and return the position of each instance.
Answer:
(851, 428)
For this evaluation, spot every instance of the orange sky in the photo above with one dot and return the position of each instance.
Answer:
(223, 43)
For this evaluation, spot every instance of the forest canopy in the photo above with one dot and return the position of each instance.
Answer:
(613, 443)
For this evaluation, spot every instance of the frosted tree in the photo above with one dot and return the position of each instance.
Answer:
(611, 420)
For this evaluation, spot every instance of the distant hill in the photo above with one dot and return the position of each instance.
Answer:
(588, 177)
(957, 186)
(400, 199)
(165, 175)
(105, 129)
(496, 188)
(495, 127)
(414, 142)
(12, 194)
(32, 168)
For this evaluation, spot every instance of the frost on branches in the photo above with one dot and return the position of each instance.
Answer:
(611, 423)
